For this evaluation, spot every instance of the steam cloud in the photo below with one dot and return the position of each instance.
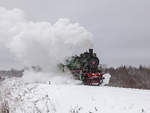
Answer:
(41, 43)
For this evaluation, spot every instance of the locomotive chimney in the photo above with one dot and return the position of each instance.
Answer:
(91, 52)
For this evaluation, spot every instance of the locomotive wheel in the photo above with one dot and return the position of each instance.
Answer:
(92, 82)
(85, 82)
(97, 81)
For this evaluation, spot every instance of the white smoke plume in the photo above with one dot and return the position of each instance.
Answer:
(41, 43)
(44, 44)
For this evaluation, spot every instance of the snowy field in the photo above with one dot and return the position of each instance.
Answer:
(44, 98)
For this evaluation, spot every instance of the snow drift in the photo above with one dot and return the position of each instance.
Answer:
(42, 98)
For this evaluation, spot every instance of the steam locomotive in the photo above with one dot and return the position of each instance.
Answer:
(86, 68)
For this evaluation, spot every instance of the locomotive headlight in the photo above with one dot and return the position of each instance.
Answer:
(93, 62)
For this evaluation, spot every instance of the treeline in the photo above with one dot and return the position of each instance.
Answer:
(129, 77)
(10, 73)
(123, 76)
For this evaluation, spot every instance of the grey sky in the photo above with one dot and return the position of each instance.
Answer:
(121, 28)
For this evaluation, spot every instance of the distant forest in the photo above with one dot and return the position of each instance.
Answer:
(123, 76)
(129, 77)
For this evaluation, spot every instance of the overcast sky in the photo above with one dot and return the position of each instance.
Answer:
(121, 28)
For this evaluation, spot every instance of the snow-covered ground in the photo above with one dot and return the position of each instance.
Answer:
(44, 98)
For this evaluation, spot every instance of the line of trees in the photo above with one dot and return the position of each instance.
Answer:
(123, 76)
(129, 77)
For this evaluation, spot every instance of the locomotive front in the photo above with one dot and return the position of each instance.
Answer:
(90, 72)
(85, 67)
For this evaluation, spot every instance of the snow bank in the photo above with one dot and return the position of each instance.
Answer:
(43, 98)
